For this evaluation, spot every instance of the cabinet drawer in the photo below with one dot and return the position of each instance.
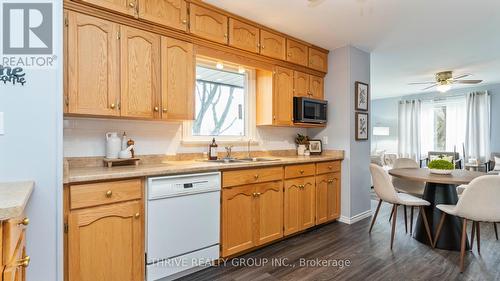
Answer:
(327, 167)
(241, 177)
(92, 194)
(295, 171)
(12, 230)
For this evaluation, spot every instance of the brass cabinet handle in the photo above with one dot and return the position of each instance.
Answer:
(256, 177)
(301, 171)
(330, 181)
(263, 47)
(112, 106)
(131, 4)
(25, 222)
(256, 194)
(137, 215)
(165, 110)
(184, 21)
(24, 262)
(330, 167)
(156, 109)
(109, 193)
(289, 54)
(301, 186)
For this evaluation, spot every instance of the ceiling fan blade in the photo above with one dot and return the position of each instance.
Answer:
(467, 81)
(427, 88)
(461, 76)
(422, 83)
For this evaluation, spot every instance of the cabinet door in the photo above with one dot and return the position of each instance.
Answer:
(283, 97)
(177, 90)
(322, 199)
(334, 196)
(140, 68)
(300, 84)
(292, 204)
(238, 221)
(106, 243)
(171, 13)
(122, 6)
(308, 203)
(316, 87)
(269, 212)
(244, 36)
(208, 24)
(318, 60)
(93, 56)
(272, 45)
(296, 52)
(15, 270)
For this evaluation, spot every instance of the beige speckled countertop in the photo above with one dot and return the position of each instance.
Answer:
(13, 198)
(84, 174)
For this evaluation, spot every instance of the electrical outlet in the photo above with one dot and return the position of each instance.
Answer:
(325, 139)
(2, 131)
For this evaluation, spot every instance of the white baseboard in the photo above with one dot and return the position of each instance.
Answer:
(356, 218)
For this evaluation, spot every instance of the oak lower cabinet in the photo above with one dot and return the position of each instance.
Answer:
(105, 241)
(275, 97)
(252, 215)
(300, 201)
(13, 257)
(328, 185)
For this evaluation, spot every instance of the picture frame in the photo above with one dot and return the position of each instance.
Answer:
(362, 126)
(315, 147)
(362, 96)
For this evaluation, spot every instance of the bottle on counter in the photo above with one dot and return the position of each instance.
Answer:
(124, 141)
(212, 150)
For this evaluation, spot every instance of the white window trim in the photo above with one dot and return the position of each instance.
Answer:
(250, 117)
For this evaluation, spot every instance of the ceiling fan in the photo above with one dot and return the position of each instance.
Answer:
(445, 79)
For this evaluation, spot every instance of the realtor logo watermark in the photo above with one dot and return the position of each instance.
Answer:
(27, 40)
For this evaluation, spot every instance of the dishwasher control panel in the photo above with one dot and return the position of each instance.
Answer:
(161, 187)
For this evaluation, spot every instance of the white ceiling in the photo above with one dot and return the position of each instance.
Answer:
(409, 40)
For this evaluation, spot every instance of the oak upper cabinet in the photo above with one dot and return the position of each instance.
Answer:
(106, 243)
(316, 87)
(177, 83)
(171, 13)
(300, 84)
(93, 74)
(299, 204)
(296, 52)
(272, 45)
(283, 96)
(274, 97)
(208, 24)
(238, 212)
(270, 212)
(318, 60)
(244, 36)
(128, 7)
(140, 70)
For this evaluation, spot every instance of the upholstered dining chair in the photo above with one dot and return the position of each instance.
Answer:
(478, 203)
(387, 193)
(407, 186)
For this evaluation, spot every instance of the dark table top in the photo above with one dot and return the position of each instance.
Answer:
(424, 175)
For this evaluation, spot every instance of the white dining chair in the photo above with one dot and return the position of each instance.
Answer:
(387, 193)
(478, 203)
(414, 188)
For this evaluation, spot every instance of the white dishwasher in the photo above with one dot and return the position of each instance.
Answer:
(183, 222)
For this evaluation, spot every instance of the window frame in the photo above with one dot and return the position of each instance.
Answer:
(249, 108)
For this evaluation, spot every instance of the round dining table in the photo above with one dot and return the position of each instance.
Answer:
(439, 189)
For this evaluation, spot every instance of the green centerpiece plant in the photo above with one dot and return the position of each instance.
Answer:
(442, 167)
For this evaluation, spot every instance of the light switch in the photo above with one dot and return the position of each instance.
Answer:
(1, 124)
(325, 139)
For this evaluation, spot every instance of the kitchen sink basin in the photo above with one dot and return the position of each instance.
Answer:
(241, 160)
(258, 159)
(225, 160)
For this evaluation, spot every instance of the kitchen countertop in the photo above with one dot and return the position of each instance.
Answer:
(84, 174)
(13, 198)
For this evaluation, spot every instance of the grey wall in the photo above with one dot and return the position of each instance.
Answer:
(347, 65)
(385, 113)
(31, 149)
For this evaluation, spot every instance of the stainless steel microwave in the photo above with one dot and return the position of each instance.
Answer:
(306, 110)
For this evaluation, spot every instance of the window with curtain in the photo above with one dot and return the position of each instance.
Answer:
(443, 124)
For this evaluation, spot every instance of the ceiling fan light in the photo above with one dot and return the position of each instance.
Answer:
(443, 88)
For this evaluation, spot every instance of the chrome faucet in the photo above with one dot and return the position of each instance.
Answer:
(229, 149)
(248, 149)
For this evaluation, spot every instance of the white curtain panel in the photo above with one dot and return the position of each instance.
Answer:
(477, 129)
(409, 129)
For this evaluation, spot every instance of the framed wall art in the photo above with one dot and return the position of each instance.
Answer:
(361, 126)
(362, 96)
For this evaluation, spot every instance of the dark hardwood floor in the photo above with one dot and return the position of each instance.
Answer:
(369, 256)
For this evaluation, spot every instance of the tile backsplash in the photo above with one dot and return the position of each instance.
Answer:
(85, 137)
